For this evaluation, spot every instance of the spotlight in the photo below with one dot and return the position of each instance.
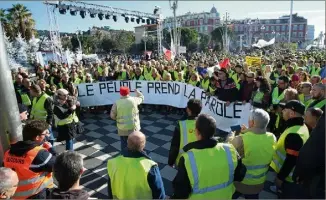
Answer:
(107, 16)
(143, 21)
(138, 20)
(100, 16)
(73, 12)
(153, 21)
(62, 11)
(123, 15)
(148, 21)
(115, 18)
(127, 19)
(82, 14)
(156, 10)
(93, 15)
(132, 19)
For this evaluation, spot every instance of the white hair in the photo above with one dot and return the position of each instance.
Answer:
(6, 179)
(260, 117)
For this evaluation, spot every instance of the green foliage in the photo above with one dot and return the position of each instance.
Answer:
(108, 44)
(204, 41)
(124, 41)
(218, 36)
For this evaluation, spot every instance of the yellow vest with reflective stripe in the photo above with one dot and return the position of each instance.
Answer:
(70, 119)
(204, 84)
(128, 177)
(276, 98)
(320, 104)
(306, 103)
(236, 80)
(280, 153)
(77, 81)
(193, 83)
(315, 71)
(148, 73)
(258, 150)
(38, 110)
(211, 171)
(187, 135)
(152, 79)
(25, 98)
(258, 98)
(127, 114)
(100, 70)
(123, 76)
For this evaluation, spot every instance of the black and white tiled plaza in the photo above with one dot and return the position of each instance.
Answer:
(100, 141)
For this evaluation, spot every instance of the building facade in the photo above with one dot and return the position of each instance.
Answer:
(204, 22)
(310, 33)
(266, 29)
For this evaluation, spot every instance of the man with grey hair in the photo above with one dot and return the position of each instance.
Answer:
(256, 148)
(8, 183)
(133, 174)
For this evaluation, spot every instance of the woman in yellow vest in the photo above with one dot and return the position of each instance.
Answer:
(66, 120)
(155, 76)
(180, 77)
(194, 80)
(256, 147)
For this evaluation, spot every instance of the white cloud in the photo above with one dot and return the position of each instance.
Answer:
(287, 12)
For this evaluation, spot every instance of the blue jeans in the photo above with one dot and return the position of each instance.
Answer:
(123, 140)
(70, 145)
(51, 137)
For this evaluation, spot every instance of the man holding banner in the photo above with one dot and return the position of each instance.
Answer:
(125, 112)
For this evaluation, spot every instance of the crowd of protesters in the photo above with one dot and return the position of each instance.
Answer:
(286, 89)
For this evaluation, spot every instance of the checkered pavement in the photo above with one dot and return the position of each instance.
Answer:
(101, 142)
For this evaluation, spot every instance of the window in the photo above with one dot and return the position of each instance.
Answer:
(277, 28)
(272, 28)
(236, 28)
(283, 27)
(206, 20)
(216, 21)
(295, 27)
(201, 21)
(202, 28)
(188, 23)
(301, 27)
(300, 34)
(294, 34)
(266, 34)
(267, 28)
(206, 28)
(256, 28)
(278, 21)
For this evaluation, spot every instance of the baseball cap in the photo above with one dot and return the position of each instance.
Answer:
(294, 105)
(124, 91)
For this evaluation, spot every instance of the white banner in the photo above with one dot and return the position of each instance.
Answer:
(174, 94)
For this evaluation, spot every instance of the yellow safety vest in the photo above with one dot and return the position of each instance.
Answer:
(211, 171)
(123, 76)
(276, 98)
(52, 80)
(152, 79)
(25, 98)
(211, 90)
(280, 153)
(258, 98)
(70, 119)
(204, 84)
(320, 104)
(187, 135)
(77, 81)
(100, 70)
(258, 150)
(236, 80)
(60, 85)
(315, 71)
(141, 78)
(193, 83)
(306, 103)
(148, 73)
(38, 110)
(127, 114)
(128, 177)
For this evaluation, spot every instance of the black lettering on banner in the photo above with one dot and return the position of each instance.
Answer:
(110, 87)
(115, 87)
(219, 105)
(235, 110)
(102, 86)
(165, 88)
(211, 106)
(171, 88)
(192, 94)
(88, 90)
(203, 96)
(225, 113)
(185, 91)
(138, 85)
(176, 88)
(79, 93)
(149, 86)
(157, 88)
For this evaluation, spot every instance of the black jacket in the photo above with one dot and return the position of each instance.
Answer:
(181, 182)
(310, 166)
(228, 92)
(70, 194)
(294, 143)
(175, 143)
(68, 131)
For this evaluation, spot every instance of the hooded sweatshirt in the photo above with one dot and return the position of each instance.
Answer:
(70, 194)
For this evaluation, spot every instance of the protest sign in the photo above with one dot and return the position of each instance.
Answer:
(253, 61)
(174, 94)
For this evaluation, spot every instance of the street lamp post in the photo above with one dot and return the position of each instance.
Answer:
(241, 41)
(225, 23)
(77, 33)
(145, 39)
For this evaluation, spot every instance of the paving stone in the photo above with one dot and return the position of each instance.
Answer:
(149, 146)
(170, 127)
(167, 146)
(168, 173)
(94, 134)
(162, 137)
(158, 116)
(89, 121)
(158, 158)
(114, 136)
(163, 121)
(91, 127)
(153, 129)
(267, 195)
(117, 145)
(146, 122)
(107, 121)
(110, 128)
(98, 144)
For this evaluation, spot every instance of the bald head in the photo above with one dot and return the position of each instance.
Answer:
(136, 141)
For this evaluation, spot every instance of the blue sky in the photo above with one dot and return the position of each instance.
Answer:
(314, 11)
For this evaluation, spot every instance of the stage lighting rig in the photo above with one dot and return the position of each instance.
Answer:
(148, 21)
(138, 20)
(132, 19)
(107, 16)
(143, 21)
(153, 21)
(73, 12)
(115, 18)
(82, 13)
(100, 16)
(127, 19)
(93, 15)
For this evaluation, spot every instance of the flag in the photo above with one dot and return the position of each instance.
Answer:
(167, 53)
(224, 63)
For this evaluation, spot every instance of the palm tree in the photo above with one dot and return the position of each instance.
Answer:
(20, 17)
